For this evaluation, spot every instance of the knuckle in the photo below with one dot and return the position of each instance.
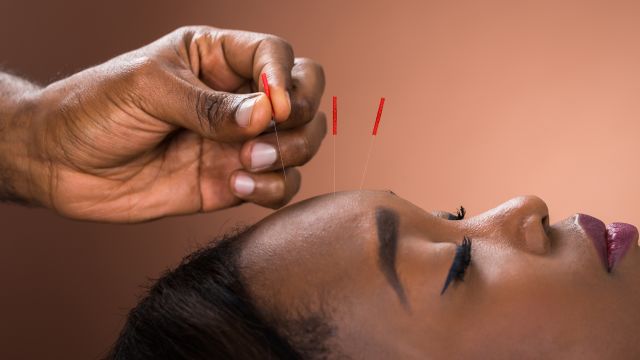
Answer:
(279, 42)
(280, 202)
(146, 65)
(211, 110)
(310, 63)
(311, 66)
(319, 70)
(203, 37)
(306, 150)
(181, 31)
(322, 123)
(278, 192)
(191, 31)
(139, 71)
(137, 77)
(186, 29)
(306, 109)
(184, 34)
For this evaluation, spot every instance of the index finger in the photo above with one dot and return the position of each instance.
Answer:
(229, 57)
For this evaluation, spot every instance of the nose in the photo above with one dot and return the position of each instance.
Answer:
(522, 222)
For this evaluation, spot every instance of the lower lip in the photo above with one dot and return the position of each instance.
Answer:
(611, 241)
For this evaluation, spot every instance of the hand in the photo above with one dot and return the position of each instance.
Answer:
(176, 127)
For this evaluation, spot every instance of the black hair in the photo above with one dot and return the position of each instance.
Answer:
(201, 310)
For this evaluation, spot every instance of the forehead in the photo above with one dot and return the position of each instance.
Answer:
(303, 249)
(316, 224)
(322, 221)
(339, 215)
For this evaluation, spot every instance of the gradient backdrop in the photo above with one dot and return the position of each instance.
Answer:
(485, 100)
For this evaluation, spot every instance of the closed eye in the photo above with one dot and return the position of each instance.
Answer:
(461, 262)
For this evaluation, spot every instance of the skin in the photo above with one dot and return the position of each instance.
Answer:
(154, 132)
(531, 291)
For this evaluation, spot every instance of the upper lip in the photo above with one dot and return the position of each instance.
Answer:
(611, 241)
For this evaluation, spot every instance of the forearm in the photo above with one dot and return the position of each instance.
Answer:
(16, 105)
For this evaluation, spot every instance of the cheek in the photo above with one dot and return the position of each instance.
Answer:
(423, 267)
(522, 301)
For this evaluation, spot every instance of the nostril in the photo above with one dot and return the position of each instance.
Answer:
(545, 223)
(536, 234)
(525, 220)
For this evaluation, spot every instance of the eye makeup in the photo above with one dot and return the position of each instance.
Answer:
(460, 263)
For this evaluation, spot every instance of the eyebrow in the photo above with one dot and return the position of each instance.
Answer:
(387, 222)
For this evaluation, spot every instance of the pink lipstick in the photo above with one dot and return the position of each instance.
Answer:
(611, 241)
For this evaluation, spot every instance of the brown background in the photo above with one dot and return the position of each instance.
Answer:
(485, 100)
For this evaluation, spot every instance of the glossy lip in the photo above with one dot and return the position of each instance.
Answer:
(611, 241)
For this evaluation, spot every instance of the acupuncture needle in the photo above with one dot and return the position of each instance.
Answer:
(374, 134)
(267, 91)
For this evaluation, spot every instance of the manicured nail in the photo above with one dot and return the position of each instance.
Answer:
(243, 114)
(263, 155)
(244, 184)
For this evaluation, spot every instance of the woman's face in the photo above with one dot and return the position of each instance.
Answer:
(531, 289)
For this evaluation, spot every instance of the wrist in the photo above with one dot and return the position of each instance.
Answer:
(23, 174)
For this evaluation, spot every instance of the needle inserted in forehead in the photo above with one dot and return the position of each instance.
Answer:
(265, 84)
(335, 133)
(375, 132)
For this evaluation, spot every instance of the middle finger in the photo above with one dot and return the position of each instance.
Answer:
(308, 85)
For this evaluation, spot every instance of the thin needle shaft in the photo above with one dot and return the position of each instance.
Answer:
(267, 91)
(374, 133)
(334, 165)
(275, 130)
(334, 133)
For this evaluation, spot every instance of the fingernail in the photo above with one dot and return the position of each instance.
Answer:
(244, 185)
(243, 114)
(262, 155)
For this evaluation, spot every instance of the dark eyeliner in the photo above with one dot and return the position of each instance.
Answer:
(460, 263)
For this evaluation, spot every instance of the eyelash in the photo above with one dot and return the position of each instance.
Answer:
(459, 214)
(460, 263)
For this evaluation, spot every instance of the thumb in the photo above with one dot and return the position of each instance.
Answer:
(215, 115)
